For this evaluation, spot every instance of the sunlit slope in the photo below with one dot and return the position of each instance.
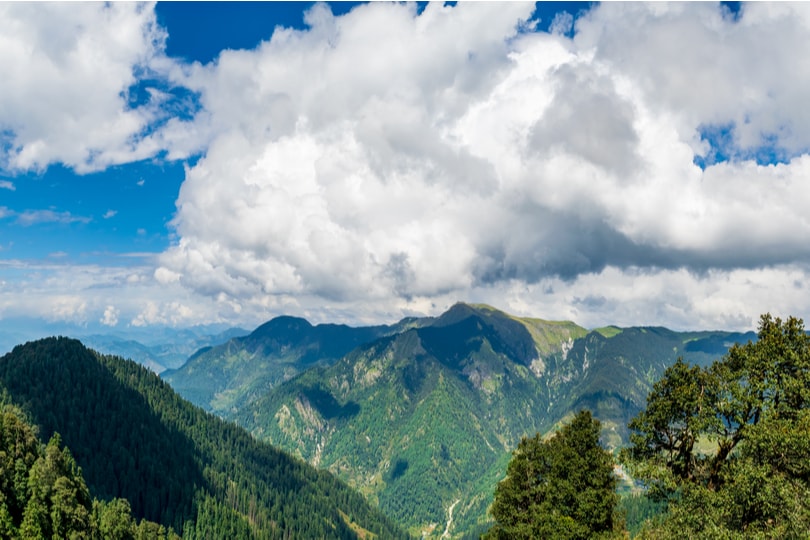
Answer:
(414, 419)
(224, 378)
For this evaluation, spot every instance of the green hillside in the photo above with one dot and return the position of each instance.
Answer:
(226, 377)
(424, 419)
(44, 495)
(421, 416)
(134, 438)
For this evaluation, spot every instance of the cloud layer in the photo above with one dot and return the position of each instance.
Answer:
(67, 74)
(391, 161)
(389, 154)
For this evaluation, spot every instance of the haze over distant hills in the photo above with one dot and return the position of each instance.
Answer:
(156, 347)
(421, 416)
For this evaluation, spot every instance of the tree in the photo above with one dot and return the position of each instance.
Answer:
(563, 487)
(60, 503)
(114, 520)
(728, 446)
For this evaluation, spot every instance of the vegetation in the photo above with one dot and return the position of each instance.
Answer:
(43, 493)
(176, 465)
(225, 378)
(417, 420)
(727, 447)
(638, 509)
(561, 488)
(428, 415)
(420, 419)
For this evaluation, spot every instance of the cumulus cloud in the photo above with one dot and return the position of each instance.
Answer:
(391, 161)
(390, 154)
(5, 184)
(347, 184)
(702, 65)
(68, 75)
(110, 317)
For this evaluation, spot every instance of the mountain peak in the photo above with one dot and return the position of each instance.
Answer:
(460, 311)
(283, 324)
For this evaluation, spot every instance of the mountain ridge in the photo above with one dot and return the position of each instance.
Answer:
(135, 438)
(427, 412)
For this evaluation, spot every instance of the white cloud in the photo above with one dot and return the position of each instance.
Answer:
(386, 155)
(33, 217)
(67, 69)
(696, 62)
(718, 299)
(66, 307)
(110, 317)
(109, 214)
(390, 162)
(27, 218)
(5, 184)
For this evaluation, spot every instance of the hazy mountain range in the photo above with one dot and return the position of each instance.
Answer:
(156, 347)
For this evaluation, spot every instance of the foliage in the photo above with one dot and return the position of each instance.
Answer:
(751, 408)
(173, 463)
(562, 488)
(428, 415)
(637, 509)
(43, 493)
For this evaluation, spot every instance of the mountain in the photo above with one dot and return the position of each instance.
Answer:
(44, 495)
(135, 438)
(224, 378)
(161, 349)
(156, 347)
(423, 419)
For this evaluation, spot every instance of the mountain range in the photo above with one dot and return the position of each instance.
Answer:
(156, 347)
(421, 416)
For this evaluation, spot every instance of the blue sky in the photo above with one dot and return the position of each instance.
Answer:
(187, 163)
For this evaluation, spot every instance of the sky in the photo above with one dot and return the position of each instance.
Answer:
(186, 163)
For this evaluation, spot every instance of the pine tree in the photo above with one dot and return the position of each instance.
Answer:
(60, 502)
(561, 488)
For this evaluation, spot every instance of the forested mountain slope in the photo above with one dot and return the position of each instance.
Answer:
(428, 416)
(135, 438)
(44, 495)
(226, 377)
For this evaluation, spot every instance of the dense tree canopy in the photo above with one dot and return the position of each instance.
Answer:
(728, 446)
(174, 464)
(43, 493)
(561, 488)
